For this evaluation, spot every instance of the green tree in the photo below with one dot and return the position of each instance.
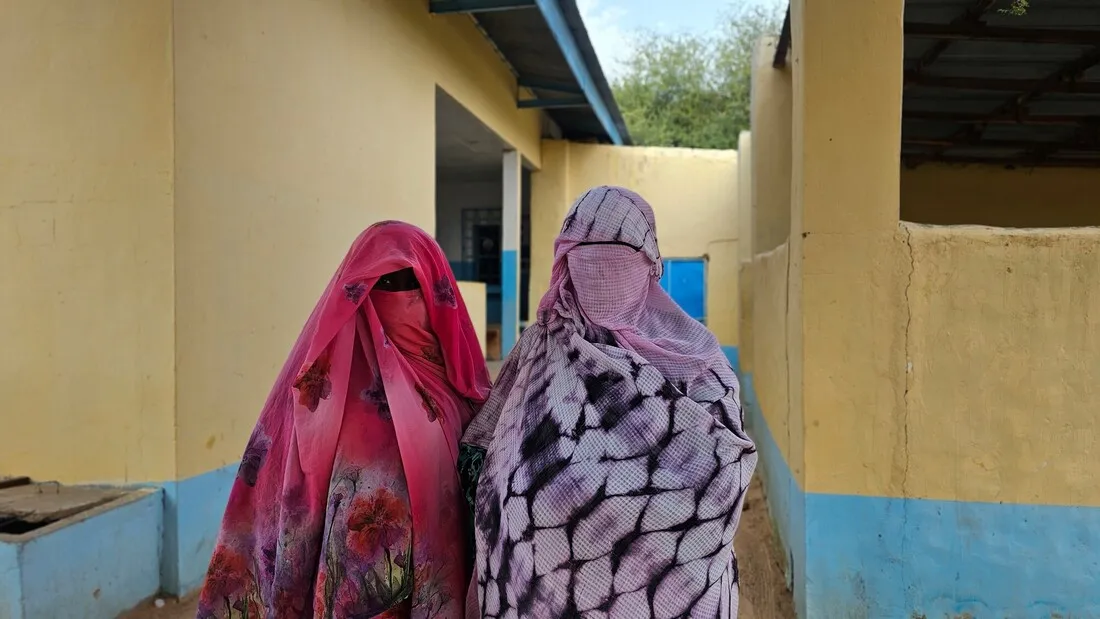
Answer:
(1018, 8)
(693, 90)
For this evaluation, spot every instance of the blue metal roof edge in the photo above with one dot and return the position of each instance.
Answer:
(593, 83)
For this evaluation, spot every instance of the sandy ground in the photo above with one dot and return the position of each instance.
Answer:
(764, 593)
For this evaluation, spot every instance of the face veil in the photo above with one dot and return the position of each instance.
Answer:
(347, 502)
(616, 461)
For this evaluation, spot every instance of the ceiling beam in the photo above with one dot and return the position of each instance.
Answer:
(1022, 119)
(1025, 145)
(1016, 105)
(540, 83)
(972, 15)
(550, 104)
(442, 7)
(978, 31)
(1066, 75)
(913, 161)
(1003, 85)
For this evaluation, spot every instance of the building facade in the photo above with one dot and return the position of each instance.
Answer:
(178, 181)
(919, 306)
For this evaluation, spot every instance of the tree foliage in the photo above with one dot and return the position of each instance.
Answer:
(1018, 8)
(693, 90)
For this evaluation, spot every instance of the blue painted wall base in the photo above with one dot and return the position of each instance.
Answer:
(193, 509)
(509, 300)
(117, 555)
(888, 558)
(95, 566)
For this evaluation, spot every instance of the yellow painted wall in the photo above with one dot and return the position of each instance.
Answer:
(846, 296)
(473, 295)
(771, 162)
(985, 348)
(693, 194)
(722, 296)
(745, 251)
(86, 239)
(1004, 337)
(954, 363)
(769, 351)
(178, 182)
(745, 224)
(746, 300)
(994, 196)
(298, 125)
(551, 197)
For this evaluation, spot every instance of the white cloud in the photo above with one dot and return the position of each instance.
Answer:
(611, 42)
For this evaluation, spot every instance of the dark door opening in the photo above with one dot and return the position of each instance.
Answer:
(487, 253)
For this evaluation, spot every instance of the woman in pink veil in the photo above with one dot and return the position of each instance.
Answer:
(347, 502)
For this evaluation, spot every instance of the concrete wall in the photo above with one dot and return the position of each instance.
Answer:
(269, 185)
(693, 194)
(272, 189)
(1004, 337)
(86, 243)
(745, 252)
(771, 166)
(979, 487)
(994, 196)
(178, 182)
(922, 396)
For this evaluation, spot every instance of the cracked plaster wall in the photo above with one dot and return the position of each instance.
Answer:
(1003, 350)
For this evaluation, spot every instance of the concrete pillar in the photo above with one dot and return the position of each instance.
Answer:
(744, 196)
(744, 251)
(846, 287)
(771, 164)
(511, 206)
(845, 192)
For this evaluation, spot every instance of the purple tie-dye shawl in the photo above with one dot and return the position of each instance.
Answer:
(616, 458)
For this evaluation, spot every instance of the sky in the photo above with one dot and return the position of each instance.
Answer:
(611, 23)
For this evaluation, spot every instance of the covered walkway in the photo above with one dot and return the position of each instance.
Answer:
(920, 331)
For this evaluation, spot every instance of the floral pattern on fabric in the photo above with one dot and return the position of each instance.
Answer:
(376, 396)
(253, 459)
(444, 293)
(432, 354)
(354, 292)
(368, 550)
(430, 405)
(313, 384)
(347, 503)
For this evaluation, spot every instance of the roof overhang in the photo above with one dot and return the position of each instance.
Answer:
(547, 46)
(986, 86)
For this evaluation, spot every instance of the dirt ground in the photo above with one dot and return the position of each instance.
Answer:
(764, 593)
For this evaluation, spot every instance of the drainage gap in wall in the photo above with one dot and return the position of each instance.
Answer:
(10, 525)
(26, 506)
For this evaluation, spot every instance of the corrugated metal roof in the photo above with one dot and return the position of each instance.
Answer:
(528, 42)
(984, 85)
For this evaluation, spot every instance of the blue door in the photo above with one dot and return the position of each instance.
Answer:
(685, 281)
